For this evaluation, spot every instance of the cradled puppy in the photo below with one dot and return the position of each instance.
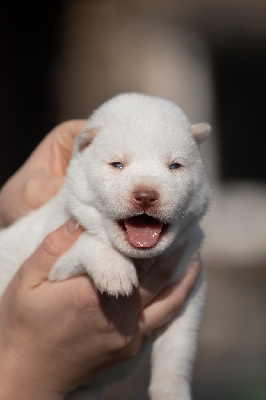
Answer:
(137, 184)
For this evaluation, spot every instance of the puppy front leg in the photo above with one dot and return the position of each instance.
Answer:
(174, 351)
(110, 271)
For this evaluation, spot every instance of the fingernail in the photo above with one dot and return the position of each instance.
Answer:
(71, 226)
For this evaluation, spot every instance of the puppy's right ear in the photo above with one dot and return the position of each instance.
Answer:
(86, 137)
(200, 131)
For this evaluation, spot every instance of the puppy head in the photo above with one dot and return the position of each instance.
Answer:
(138, 165)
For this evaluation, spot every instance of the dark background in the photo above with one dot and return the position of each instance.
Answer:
(29, 37)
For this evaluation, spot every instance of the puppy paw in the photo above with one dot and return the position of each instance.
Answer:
(111, 272)
(169, 392)
(116, 280)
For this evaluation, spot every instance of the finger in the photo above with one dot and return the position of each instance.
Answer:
(63, 140)
(59, 143)
(158, 276)
(40, 188)
(171, 300)
(65, 133)
(36, 269)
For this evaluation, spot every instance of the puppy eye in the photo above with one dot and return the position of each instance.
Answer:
(175, 166)
(117, 164)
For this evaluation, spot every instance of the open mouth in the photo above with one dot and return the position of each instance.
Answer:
(143, 231)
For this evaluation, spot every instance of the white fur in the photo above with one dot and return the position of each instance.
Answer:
(146, 135)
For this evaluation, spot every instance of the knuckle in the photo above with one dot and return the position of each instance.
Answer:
(127, 348)
(23, 271)
(124, 342)
(133, 347)
(50, 246)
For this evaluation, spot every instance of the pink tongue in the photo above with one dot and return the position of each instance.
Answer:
(143, 231)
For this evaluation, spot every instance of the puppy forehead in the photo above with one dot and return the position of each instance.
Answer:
(142, 122)
(135, 110)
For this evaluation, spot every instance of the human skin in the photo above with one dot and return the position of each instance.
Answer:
(54, 335)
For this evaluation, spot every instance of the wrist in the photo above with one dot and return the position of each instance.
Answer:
(13, 390)
(24, 381)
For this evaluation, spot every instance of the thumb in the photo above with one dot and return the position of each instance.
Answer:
(36, 268)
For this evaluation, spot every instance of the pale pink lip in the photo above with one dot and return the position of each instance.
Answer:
(143, 231)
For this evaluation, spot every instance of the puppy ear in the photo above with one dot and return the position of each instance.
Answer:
(200, 131)
(86, 137)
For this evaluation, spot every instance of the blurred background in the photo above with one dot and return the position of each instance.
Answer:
(62, 59)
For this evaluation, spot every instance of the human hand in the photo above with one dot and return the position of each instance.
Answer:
(55, 335)
(41, 176)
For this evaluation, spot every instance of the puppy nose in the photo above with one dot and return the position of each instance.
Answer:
(145, 198)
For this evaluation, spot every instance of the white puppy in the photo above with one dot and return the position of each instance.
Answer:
(137, 184)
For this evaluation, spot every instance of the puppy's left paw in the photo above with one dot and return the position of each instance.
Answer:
(169, 392)
(115, 279)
